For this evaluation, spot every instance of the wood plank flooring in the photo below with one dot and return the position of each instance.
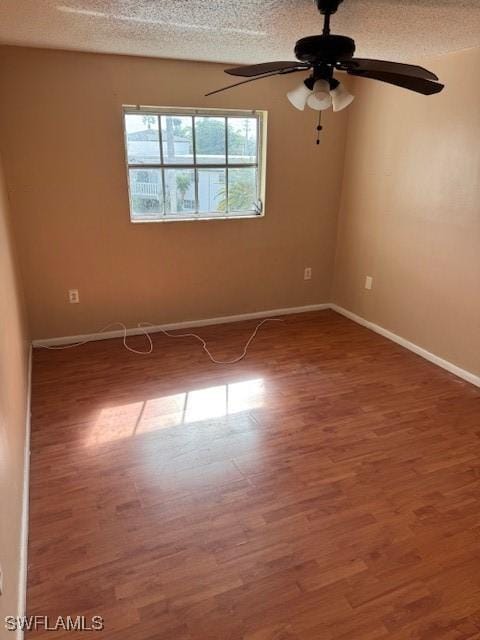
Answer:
(325, 488)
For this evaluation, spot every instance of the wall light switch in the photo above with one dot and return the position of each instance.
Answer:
(73, 296)
(369, 283)
(307, 274)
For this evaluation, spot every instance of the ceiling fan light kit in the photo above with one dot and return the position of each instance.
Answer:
(341, 97)
(324, 54)
(298, 96)
(320, 98)
(320, 95)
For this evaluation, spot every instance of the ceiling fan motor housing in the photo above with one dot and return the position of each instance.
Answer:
(324, 49)
(328, 6)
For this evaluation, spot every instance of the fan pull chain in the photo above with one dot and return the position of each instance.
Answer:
(319, 126)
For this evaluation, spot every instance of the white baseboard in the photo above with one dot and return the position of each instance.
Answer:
(431, 357)
(22, 582)
(188, 324)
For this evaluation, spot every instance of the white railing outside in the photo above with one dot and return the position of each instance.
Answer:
(150, 189)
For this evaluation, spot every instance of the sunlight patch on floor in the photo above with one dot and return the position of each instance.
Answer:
(187, 407)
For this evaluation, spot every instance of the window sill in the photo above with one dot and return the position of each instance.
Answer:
(204, 218)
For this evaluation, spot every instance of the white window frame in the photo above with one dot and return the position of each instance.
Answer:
(260, 165)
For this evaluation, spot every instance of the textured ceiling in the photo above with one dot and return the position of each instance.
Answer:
(239, 30)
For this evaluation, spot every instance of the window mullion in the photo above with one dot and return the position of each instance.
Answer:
(227, 206)
(195, 170)
(240, 165)
(162, 170)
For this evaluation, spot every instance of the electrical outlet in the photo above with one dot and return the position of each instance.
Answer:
(369, 283)
(307, 274)
(73, 296)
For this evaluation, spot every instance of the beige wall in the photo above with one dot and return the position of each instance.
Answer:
(410, 213)
(60, 120)
(13, 401)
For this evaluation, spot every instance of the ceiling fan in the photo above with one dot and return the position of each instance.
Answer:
(326, 53)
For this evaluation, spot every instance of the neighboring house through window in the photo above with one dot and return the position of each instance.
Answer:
(189, 164)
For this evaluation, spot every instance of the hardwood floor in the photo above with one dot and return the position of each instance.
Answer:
(325, 488)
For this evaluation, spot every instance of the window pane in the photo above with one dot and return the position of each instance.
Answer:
(242, 140)
(177, 139)
(179, 191)
(143, 145)
(146, 194)
(211, 191)
(242, 189)
(210, 140)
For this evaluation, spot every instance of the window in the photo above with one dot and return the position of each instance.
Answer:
(191, 164)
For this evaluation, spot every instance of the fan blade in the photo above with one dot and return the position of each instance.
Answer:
(365, 64)
(265, 75)
(420, 85)
(266, 67)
